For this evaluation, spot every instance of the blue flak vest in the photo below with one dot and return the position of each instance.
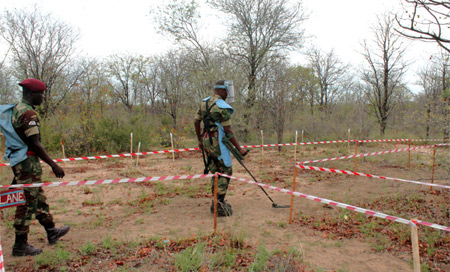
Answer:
(225, 154)
(16, 149)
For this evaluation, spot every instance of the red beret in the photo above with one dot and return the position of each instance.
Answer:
(33, 85)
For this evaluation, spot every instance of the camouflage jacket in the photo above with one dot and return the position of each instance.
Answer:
(25, 120)
(219, 115)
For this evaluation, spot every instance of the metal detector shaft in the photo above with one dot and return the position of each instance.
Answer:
(239, 158)
(248, 171)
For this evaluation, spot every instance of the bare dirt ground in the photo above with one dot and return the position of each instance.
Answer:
(144, 215)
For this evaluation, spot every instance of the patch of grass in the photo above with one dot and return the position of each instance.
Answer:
(223, 259)
(290, 260)
(116, 201)
(369, 229)
(192, 190)
(99, 221)
(237, 239)
(190, 259)
(94, 201)
(87, 248)
(261, 259)
(109, 243)
(432, 237)
(381, 242)
(55, 257)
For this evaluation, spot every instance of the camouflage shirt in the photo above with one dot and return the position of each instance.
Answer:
(219, 115)
(25, 120)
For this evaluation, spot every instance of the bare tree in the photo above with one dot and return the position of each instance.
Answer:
(122, 70)
(181, 20)
(332, 77)
(174, 84)
(431, 93)
(426, 20)
(261, 30)
(304, 85)
(385, 70)
(147, 82)
(41, 47)
(7, 85)
(280, 93)
(90, 95)
(442, 62)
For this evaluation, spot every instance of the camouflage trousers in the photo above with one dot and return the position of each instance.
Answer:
(26, 172)
(216, 165)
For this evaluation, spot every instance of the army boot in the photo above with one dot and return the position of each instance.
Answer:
(223, 208)
(22, 248)
(53, 234)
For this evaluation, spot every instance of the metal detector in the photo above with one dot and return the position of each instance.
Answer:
(239, 158)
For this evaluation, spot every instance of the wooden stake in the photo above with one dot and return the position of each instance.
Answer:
(302, 137)
(348, 138)
(131, 145)
(356, 159)
(262, 145)
(171, 142)
(216, 186)
(62, 146)
(415, 247)
(409, 154)
(137, 157)
(295, 148)
(432, 168)
(292, 196)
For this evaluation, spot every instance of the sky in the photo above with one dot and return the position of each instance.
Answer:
(118, 26)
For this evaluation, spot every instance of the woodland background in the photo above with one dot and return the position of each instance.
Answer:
(94, 104)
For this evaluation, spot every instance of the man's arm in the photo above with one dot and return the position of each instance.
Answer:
(34, 144)
(234, 141)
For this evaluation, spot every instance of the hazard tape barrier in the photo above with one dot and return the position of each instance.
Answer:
(196, 148)
(118, 155)
(343, 205)
(398, 140)
(370, 154)
(106, 181)
(352, 173)
(177, 150)
(438, 145)
(2, 265)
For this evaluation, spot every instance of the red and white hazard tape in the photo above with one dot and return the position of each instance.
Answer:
(382, 140)
(106, 181)
(348, 172)
(119, 155)
(343, 205)
(2, 264)
(366, 154)
(397, 140)
(196, 148)
(302, 143)
(442, 144)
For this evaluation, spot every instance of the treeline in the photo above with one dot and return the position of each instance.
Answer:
(94, 104)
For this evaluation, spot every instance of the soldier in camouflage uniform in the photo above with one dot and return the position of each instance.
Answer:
(220, 120)
(26, 124)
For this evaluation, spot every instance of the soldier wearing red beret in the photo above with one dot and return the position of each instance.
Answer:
(28, 170)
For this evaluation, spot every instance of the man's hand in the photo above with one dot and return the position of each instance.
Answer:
(59, 172)
(244, 151)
